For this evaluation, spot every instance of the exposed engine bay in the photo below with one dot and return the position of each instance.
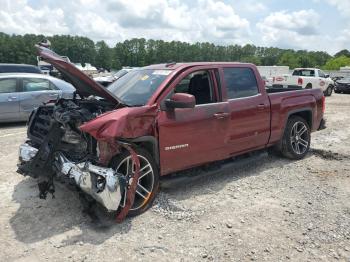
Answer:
(58, 150)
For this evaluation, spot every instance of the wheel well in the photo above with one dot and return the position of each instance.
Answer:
(147, 146)
(309, 85)
(307, 115)
(150, 144)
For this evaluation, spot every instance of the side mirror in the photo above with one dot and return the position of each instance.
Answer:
(180, 100)
(326, 76)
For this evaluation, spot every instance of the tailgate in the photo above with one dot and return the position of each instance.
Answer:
(286, 81)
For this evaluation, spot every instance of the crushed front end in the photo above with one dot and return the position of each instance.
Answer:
(57, 149)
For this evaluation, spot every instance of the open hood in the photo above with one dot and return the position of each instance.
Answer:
(84, 85)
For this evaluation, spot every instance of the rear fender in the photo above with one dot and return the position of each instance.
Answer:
(305, 113)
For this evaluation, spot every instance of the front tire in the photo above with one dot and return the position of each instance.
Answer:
(328, 91)
(295, 143)
(148, 183)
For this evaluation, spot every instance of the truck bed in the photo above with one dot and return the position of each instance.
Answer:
(281, 89)
(286, 101)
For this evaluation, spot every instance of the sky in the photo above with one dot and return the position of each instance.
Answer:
(319, 25)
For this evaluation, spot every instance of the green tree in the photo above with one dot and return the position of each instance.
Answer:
(343, 52)
(337, 62)
(104, 56)
(290, 59)
(141, 52)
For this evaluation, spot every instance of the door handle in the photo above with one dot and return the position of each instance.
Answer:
(221, 115)
(53, 94)
(261, 107)
(12, 98)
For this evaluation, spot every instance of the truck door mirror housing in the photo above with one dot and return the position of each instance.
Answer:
(180, 100)
(326, 76)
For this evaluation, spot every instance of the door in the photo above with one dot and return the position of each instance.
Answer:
(193, 136)
(249, 110)
(9, 100)
(322, 80)
(36, 92)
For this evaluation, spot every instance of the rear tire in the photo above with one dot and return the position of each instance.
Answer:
(149, 179)
(308, 86)
(295, 143)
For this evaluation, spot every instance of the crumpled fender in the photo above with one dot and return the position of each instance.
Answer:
(127, 122)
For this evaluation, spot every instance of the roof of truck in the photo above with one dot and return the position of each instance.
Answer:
(173, 65)
(306, 68)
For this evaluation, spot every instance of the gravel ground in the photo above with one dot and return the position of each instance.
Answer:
(264, 208)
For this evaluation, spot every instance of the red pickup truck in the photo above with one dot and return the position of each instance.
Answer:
(114, 143)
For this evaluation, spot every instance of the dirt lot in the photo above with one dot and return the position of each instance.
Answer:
(265, 209)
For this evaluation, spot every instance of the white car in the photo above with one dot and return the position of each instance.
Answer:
(109, 79)
(268, 81)
(305, 78)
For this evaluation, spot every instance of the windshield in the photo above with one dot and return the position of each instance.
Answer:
(137, 86)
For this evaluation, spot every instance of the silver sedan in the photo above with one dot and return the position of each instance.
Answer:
(21, 93)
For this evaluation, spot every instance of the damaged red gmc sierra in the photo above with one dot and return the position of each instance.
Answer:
(114, 143)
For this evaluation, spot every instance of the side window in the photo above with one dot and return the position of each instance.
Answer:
(35, 84)
(8, 85)
(240, 82)
(199, 85)
(321, 74)
(53, 86)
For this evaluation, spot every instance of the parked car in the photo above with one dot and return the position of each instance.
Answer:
(306, 78)
(342, 85)
(336, 78)
(19, 68)
(21, 93)
(158, 120)
(107, 80)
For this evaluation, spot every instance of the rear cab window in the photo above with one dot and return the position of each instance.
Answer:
(304, 72)
(240, 82)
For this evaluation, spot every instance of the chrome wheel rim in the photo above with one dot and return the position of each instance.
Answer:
(299, 138)
(145, 183)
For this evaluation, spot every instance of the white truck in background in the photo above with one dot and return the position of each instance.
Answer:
(46, 68)
(269, 72)
(305, 78)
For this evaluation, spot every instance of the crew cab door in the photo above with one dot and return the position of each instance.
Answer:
(249, 108)
(9, 99)
(193, 136)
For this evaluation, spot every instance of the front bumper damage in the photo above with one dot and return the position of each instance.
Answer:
(103, 184)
